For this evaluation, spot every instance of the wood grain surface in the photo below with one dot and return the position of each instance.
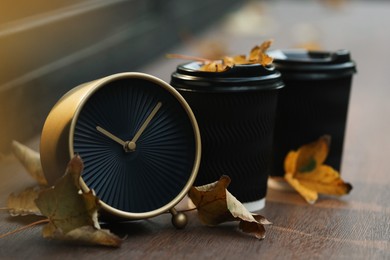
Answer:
(356, 226)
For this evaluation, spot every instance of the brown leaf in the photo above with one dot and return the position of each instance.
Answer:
(210, 200)
(69, 209)
(24, 203)
(216, 205)
(254, 228)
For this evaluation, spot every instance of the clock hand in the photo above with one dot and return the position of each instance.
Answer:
(111, 136)
(132, 144)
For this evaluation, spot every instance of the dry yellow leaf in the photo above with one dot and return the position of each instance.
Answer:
(290, 162)
(308, 194)
(88, 235)
(258, 50)
(312, 155)
(239, 59)
(214, 66)
(257, 55)
(306, 172)
(325, 180)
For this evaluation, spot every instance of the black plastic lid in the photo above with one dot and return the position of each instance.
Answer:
(307, 65)
(248, 77)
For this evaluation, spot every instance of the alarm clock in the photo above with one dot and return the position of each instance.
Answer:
(138, 138)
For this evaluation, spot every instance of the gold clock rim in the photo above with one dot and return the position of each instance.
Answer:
(97, 84)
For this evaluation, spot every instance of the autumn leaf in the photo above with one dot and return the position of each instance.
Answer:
(257, 55)
(215, 205)
(31, 161)
(214, 66)
(231, 61)
(72, 213)
(306, 172)
(23, 203)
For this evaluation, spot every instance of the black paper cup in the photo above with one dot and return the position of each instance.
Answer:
(313, 103)
(235, 110)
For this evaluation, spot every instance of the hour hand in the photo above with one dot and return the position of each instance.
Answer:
(111, 136)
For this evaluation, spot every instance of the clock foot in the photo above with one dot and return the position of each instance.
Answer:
(179, 219)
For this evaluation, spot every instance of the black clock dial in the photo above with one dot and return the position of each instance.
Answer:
(153, 170)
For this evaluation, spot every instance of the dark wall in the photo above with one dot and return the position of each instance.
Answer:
(48, 47)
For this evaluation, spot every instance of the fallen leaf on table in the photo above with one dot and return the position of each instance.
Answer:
(31, 161)
(306, 172)
(215, 205)
(24, 203)
(90, 235)
(72, 213)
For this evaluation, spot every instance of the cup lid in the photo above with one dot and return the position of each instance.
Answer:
(303, 64)
(245, 77)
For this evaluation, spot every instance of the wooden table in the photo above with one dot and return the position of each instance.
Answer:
(356, 226)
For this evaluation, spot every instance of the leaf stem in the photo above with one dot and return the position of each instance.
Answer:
(186, 57)
(25, 227)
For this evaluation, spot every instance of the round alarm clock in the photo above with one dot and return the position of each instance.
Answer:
(138, 139)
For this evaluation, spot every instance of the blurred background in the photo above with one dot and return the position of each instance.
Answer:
(48, 47)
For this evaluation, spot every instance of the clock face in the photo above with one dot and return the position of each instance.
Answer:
(137, 142)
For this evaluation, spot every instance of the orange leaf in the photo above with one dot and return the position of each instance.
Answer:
(290, 162)
(214, 67)
(256, 56)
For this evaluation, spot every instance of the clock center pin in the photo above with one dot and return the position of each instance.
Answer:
(130, 146)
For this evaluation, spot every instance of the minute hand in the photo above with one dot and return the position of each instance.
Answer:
(131, 144)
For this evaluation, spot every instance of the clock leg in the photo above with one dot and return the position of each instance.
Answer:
(179, 219)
